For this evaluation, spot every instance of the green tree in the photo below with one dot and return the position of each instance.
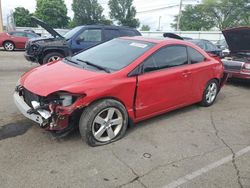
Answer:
(226, 13)
(124, 12)
(22, 17)
(145, 28)
(193, 18)
(53, 12)
(88, 12)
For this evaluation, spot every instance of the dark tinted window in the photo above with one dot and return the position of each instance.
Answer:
(195, 56)
(114, 54)
(167, 57)
(18, 34)
(110, 34)
(210, 46)
(31, 35)
(199, 43)
(127, 32)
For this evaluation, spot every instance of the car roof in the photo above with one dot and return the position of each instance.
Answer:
(157, 40)
(109, 26)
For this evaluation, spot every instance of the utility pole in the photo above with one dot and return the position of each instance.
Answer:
(179, 16)
(1, 18)
(159, 24)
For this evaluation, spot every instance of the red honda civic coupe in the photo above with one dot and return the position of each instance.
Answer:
(15, 39)
(126, 80)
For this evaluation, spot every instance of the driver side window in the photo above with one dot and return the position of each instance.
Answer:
(91, 35)
(166, 57)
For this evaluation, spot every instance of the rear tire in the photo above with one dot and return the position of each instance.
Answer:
(53, 56)
(9, 46)
(210, 93)
(103, 122)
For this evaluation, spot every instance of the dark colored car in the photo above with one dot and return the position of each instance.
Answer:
(15, 39)
(44, 50)
(237, 63)
(128, 79)
(207, 46)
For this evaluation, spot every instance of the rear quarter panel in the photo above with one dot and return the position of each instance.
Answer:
(204, 72)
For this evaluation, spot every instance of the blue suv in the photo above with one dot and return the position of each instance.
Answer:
(44, 50)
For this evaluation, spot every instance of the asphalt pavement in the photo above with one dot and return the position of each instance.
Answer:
(190, 147)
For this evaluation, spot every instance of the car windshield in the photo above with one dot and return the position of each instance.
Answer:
(72, 32)
(113, 55)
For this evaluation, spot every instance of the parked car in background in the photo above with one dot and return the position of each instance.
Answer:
(222, 44)
(15, 39)
(44, 50)
(128, 79)
(208, 46)
(237, 63)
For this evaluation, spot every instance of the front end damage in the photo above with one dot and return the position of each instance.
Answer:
(58, 112)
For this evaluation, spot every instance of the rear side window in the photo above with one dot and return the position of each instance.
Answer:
(110, 34)
(210, 46)
(127, 32)
(91, 35)
(31, 35)
(18, 34)
(167, 57)
(195, 56)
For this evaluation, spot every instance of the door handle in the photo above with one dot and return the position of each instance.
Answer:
(186, 74)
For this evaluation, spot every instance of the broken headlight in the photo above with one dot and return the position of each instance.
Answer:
(62, 98)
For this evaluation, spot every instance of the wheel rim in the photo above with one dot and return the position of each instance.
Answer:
(9, 46)
(211, 93)
(53, 58)
(107, 124)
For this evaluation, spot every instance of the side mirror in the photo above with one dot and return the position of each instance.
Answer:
(79, 40)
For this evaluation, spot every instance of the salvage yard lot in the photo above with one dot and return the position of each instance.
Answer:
(159, 152)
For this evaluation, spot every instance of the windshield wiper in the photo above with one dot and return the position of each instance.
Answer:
(70, 60)
(94, 65)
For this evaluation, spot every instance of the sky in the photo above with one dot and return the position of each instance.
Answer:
(158, 14)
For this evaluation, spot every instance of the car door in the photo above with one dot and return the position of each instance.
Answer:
(19, 38)
(86, 39)
(165, 82)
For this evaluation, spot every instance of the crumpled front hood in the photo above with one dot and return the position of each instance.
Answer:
(43, 41)
(58, 76)
(238, 39)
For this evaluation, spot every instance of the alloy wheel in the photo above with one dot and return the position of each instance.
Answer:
(107, 124)
(53, 58)
(211, 93)
(9, 46)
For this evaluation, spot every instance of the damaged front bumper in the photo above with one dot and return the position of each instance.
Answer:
(47, 119)
(24, 109)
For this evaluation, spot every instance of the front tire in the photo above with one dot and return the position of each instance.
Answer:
(210, 93)
(53, 56)
(103, 122)
(9, 46)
